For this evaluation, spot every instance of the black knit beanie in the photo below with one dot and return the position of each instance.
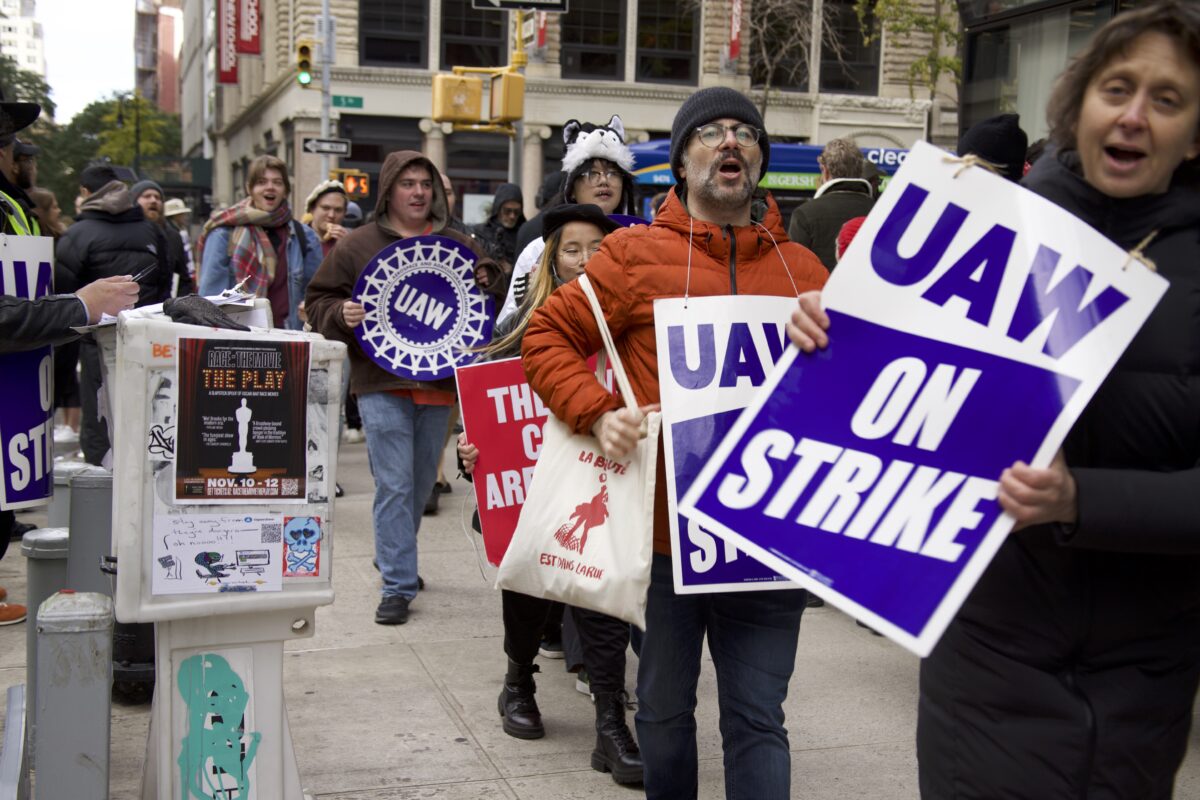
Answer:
(707, 105)
(143, 186)
(999, 140)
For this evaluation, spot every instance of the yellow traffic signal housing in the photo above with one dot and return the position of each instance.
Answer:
(457, 98)
(304, 62)
(507, 97)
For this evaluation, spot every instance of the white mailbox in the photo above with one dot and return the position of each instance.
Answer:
(224, 461)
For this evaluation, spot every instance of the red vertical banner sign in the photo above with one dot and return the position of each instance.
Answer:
(249, 39)
(541, 29)
(735, 30)
(227, 35)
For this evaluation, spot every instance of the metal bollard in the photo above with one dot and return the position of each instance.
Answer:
(58, 514)
(91, 530)
(46, 549)
(71, 754)
(14, 771)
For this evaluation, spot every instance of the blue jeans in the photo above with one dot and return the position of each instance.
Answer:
(404, 444)
(752, 640)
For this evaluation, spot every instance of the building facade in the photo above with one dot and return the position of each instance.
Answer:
(158, 39)
(1015, 48)
(21, 35)
(636, 58)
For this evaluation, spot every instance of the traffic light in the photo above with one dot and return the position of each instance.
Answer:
(304, 63)
(457, 98)
(356, 182)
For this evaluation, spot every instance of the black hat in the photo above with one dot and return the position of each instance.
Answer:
(97, 176)
(16, 117)
(143, 186)
(999, 140)
(26, 149)
(703, 107)
(559, 216)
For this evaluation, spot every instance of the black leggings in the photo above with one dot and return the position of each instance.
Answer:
(604, 638)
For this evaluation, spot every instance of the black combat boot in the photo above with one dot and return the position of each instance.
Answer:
(616, 751)
(517, 706)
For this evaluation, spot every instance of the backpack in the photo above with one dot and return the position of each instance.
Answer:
(298, 230)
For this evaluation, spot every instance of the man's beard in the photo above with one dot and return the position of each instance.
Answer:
(706, 188)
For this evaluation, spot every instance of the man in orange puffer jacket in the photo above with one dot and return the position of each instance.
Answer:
(714, 235)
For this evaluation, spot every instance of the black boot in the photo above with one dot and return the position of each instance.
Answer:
(616, 751)
(517, 706)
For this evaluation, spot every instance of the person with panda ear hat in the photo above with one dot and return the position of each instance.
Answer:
(597, 165)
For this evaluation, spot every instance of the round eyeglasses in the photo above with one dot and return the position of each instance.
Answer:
(597, 177)
(713, 134)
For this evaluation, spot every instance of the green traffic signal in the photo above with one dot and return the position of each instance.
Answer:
(304, 63)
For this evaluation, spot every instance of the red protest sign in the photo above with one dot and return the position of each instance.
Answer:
(502, 417)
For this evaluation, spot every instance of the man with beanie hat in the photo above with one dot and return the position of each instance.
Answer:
(716, 234)
(149, 195)
(110, 237)
(1000, 141)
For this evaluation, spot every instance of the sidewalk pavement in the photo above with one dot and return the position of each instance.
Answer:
(393, 713)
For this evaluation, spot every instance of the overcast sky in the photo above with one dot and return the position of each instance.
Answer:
(89, 50)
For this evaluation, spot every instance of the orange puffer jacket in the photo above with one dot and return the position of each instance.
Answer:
(636, 266)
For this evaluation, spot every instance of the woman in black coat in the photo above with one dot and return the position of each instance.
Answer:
(1071, 670)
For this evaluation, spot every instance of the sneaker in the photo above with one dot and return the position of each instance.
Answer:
(3, 594)
(431, 505)
(19, 529)
(11, 613)
(393, 610)
(583, 683)
(442, 487)
(353, 436)
(549, 649)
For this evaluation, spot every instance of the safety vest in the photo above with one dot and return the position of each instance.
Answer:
(16, 221)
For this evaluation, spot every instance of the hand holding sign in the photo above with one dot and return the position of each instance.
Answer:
(808, 324)
(353, 313)
(1034, 496)
(619, 431)
(468, 454)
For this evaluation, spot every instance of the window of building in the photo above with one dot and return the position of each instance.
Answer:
(471, 38)
(393, 33)
(667, 42)
(786, 70)
(858, 70)
(592, 37)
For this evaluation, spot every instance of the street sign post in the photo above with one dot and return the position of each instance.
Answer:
(553, 6)
(347, 101)
(327, 147)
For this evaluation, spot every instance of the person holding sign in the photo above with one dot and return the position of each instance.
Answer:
(573, 234)
(1072, 667)
(714, 235)
(405, 420)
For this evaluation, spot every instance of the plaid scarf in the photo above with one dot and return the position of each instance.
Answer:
(251, 256)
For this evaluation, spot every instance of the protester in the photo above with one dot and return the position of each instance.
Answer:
(548, 191)
(499, 233)
(111, 237)
(844, 194)
(47, 212)
(25, 164)
(846, 235)
(573, 234)
(354, 216)
(405, 420)
(176, 213)
(255, 243)
(149, 196)
(707, 239)
(596, 168)
(1000, 141)
(872, 176)
(325, 209)
(454, 222)
(1072, 667)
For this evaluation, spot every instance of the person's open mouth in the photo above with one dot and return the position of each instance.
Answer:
(1123, 158)
(731, 168)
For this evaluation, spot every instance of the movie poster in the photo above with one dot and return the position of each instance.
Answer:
(242, 424)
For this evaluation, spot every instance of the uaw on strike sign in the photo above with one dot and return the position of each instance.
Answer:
(971, 323)
(27, 403)
(424, 313)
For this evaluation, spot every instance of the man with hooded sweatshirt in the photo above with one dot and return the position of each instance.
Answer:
(110, 237)
(499, 233)
(405, 420)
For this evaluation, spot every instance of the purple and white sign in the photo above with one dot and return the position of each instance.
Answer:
(424, 312)
(713, 353)
(971, 323)
(27, 403)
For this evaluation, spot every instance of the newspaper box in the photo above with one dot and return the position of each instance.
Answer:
(225, 451)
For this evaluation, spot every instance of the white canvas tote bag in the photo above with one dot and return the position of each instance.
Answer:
(585, 533)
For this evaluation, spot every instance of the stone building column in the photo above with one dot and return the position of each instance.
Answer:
(434, 142)
(531, 165)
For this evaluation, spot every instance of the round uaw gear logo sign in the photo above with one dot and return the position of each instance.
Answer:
(424, 312)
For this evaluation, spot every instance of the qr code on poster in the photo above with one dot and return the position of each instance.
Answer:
(289, 486)
(272, 532)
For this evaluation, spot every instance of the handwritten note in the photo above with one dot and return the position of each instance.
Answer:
(205, 553)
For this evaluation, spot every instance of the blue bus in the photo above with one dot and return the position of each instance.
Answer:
(792, 178)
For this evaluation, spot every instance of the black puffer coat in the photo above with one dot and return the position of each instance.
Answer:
(102, 244)
(498, 241)
(1072, 668)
